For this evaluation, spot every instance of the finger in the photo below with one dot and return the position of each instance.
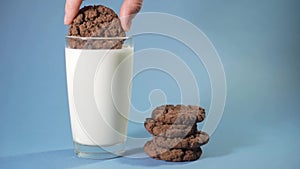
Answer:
(71, 10)
(129, 9)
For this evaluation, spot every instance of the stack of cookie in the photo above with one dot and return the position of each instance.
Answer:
(175, 134)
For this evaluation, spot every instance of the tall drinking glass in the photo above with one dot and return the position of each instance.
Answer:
(99, 74)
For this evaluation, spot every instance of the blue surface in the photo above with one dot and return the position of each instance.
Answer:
(258, 42)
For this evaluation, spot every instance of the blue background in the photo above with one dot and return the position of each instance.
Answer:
(258, 42)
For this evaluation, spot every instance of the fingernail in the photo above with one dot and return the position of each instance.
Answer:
(124, 23)
(128, 25)
(66, 21)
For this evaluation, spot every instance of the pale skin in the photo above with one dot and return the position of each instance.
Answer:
(128, 10)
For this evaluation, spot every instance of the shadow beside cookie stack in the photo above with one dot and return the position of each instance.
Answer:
(175, 134)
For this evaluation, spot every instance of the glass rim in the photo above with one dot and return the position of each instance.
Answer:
(99, 38)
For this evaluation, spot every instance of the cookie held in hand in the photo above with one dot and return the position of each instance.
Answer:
(96, 21)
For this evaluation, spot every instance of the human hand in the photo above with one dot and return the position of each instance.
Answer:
(128, 10)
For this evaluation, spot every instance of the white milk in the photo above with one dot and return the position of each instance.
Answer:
(99, 89)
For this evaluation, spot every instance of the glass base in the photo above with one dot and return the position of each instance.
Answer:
(98, 152)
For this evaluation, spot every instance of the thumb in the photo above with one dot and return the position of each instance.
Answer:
(71, 10)
(129, 9)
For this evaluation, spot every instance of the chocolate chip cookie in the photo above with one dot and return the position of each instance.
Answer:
(169, 130)
(190, 142)
(96, 21)
(179, 114)
(175, 155)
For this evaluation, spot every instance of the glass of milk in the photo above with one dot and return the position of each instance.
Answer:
(99, 91)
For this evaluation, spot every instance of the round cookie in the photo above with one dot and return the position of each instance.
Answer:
(190, 142)
(179, 114)
(96, 21)
(169, 130)
(174, 155)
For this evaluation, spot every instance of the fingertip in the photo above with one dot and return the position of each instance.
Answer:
(66, 22)
(125, 23)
